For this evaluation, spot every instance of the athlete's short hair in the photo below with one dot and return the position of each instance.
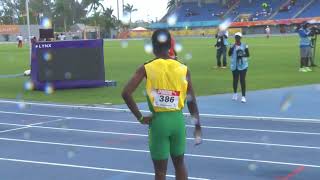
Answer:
(161, 41)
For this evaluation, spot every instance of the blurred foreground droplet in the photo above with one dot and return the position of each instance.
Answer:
(148, 48)
(28, 85)
(225, 24)
(46, 23)
(252, 167)
(162, 38)
(26, 135)
(178, 47)
(286, 102)
(49, 89)
(172, 20)
(71, 154)
(67, 75)
(124, 44)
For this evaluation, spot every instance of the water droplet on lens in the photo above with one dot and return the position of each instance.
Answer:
(252, 167)
(172, 20)
(124, 44)
(286, 102)
(26, 135)
(178, 47)
(67, 75)
(148, 48)
(162, 38)
(28, 85)
(71, 154)
(49, 89)
(225, 24)
(188, 56)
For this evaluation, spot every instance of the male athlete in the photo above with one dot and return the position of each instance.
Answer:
(168, 84)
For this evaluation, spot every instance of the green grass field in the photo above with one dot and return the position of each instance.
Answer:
(273, 63)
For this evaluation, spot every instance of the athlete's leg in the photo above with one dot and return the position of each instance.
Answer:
(160, 168)
(181, 171)
(178, 145)
(159, 144)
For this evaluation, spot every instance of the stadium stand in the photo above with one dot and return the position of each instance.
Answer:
(289, 9)
(280, 9)
(209, 13)
(312, 10)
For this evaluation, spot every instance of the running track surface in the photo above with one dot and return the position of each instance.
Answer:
(53, 142)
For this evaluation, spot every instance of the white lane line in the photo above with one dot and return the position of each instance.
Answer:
(31, 125)
(89, 167)
(190, 126)
(307, 120)
(259, 130)
(190, 139)
(145, 151)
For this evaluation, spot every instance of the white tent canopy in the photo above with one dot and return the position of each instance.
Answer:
(139, 29)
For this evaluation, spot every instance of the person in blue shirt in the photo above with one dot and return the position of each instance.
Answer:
(221, 45)
(239, 53)
(305, 48)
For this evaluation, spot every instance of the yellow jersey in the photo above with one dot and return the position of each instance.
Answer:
(166, 84)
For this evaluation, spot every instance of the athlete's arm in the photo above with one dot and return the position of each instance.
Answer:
(193, 108)
(128, 90)
(191, 100)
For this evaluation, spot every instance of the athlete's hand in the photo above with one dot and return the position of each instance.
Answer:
(197, 135)
(146, 120)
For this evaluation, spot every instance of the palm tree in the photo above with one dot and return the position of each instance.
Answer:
(128, 8)
(93, 5)
(171, 4)
(62, 9)
(109, 20)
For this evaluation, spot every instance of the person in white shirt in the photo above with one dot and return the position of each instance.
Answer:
(268, 31)
(62, 37)
(20, 39)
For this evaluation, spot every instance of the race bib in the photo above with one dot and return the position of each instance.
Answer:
(166, 98)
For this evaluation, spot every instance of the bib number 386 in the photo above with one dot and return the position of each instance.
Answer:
(166, 99)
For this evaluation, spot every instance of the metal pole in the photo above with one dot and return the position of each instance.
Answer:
(118, 9)
(28, 27)
(122, 7)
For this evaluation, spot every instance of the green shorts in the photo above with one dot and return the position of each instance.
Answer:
(167, 135)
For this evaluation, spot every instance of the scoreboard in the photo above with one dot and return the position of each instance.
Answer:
(68, 64)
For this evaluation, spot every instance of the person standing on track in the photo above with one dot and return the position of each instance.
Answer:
(239, 53)
(168, 84)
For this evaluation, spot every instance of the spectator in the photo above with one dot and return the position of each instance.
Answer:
(19, 39)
